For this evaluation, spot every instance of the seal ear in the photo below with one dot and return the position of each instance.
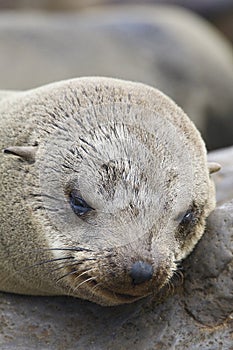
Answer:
(213, 167)
(27, 153)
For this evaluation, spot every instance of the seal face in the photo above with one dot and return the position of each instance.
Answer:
(116, 196)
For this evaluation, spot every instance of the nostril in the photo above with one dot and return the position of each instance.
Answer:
(141, 272)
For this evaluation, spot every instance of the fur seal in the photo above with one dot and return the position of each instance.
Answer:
(105, 188)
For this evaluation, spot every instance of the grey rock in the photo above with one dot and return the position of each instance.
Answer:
(209, 282)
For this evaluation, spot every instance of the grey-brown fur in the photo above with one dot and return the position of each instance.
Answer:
(134, 157)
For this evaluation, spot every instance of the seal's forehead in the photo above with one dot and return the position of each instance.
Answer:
(69, 96)
(116, 160)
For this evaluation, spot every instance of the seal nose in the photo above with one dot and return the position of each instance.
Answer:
(141, 272)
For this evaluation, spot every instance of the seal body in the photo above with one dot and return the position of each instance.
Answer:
(105, 188)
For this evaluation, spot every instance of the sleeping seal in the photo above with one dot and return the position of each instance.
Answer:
(105, 188)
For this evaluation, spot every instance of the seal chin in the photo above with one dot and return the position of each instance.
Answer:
(111, 298)
(108, 297)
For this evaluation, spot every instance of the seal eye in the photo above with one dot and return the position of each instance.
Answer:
(188, 218)
(79, 206)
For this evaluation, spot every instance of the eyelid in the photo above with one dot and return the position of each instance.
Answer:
(181, 215)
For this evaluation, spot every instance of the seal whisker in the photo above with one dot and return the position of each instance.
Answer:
(82, 283)
(64, 265)
(85, 272)
(171, 287)
(75, 249)
(76, 262)
(73, 288)
(25, 268)
(47, 261)
(179, 275)
(167, 289)
(67, 274)
(98, 285)
(75, 271)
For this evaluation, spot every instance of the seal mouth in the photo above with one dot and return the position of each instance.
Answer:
(105, 295)
(119, 298)
(110, 297)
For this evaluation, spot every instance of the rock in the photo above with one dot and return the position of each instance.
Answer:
(209, 283)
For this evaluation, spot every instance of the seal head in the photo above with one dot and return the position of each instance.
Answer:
(106, 191)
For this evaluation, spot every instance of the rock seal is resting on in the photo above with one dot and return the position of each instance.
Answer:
(105, 188)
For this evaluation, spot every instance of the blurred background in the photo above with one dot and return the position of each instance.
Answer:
(182, 47)
(219, 12)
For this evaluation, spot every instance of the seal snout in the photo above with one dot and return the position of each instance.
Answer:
(141, 272)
